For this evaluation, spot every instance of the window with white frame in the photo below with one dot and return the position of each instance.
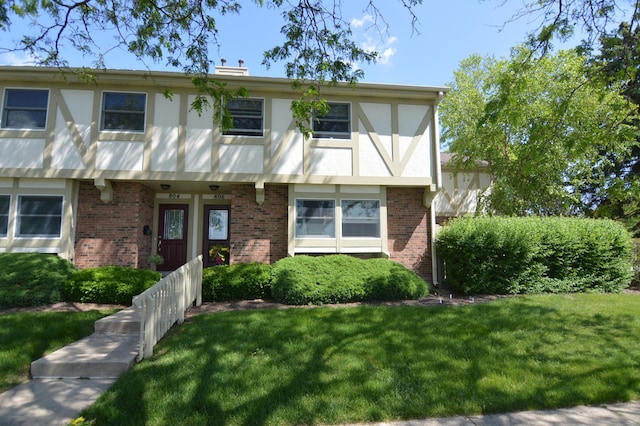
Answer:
(4, 215)
(361, 218)
(39, 216)
(123, 111)
(247, 116)
(336, 123)
(315, 219)
(25, 109)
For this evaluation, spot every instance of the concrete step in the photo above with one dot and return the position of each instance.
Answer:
(125, 321)
(95, 356)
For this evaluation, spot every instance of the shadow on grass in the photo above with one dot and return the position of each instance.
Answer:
(368, 364)
(25, 337)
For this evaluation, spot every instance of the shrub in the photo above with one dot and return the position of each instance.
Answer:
(109, 284)
(304, 280)
(636, 262)
(535, 255)
(32, 279)
(238, 281)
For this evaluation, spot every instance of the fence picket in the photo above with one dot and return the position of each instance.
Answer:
(165, 303)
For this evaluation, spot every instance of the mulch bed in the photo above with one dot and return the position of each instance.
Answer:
(442, 298)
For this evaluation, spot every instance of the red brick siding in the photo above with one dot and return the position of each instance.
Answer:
(408, 230)
(111, 234)
(258, 232)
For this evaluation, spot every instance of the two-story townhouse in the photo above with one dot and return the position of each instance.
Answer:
(108, 174)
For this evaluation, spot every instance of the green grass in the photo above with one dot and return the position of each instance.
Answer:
(27, 336)
(366, 364)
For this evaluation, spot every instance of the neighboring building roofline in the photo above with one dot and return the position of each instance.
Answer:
(446, 157)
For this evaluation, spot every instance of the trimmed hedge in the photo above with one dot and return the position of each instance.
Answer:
(32, 279)
(303, 280)
(496, 255)
(109, 284)
(236, 282)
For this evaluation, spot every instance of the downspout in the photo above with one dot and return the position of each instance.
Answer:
(438, 166)
(434, 259)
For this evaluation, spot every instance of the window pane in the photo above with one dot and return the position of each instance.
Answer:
(4, 214)
(173, 224)
(361, 218)
(335, 124)
(25, 109)
(315, 218)
(21, 119)
(39, 216)
(26, 98)
(123, 111)
(124, 102)
(247, 117)
(218, 224)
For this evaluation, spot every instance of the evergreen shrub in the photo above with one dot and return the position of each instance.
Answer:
(303, 280)
(236, 282)
(109, 284)
(32, 279)
(498, 255)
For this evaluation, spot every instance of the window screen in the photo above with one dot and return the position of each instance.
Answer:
(25, 109)
(123, 111)
(247, 117)
(4, 214)
(315, 218)
(361, 218)
(39, 216)
(336, 123)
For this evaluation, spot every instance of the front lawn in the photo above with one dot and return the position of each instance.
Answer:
(374, 363)
(27, 336)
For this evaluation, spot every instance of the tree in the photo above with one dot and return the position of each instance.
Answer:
(617, 63)
(317, 48)
(561, 18)
(540, 127)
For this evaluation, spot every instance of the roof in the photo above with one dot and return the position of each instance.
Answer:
(175, 80)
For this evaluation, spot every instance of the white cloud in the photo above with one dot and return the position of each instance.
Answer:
(358, 23)
(385, 48)
(13, 59)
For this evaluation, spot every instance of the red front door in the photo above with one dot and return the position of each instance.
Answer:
(172, 235)
(216, 235)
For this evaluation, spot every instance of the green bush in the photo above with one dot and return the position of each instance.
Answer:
(534, 255)
(109, 284)
(236, 282)
(32, 279)
(636, 262)
(302, 280)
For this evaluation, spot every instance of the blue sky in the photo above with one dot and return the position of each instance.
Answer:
(447, 32)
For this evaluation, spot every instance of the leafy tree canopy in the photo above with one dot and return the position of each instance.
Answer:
(562, 19)
(317, 49)
(540, 127)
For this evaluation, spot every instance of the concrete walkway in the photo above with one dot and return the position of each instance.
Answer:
(72, 378)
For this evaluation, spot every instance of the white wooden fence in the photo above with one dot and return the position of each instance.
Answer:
(165, 303)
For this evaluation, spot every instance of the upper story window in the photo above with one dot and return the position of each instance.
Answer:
(247, 117)
(123, 111)
(4, 215)
(336, 123)
(39, 216)
(315, 219)
(361, 218)
(25, 109)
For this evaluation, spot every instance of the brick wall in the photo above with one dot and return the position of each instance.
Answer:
(111, 234)
(258, 232)
(408, 230)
